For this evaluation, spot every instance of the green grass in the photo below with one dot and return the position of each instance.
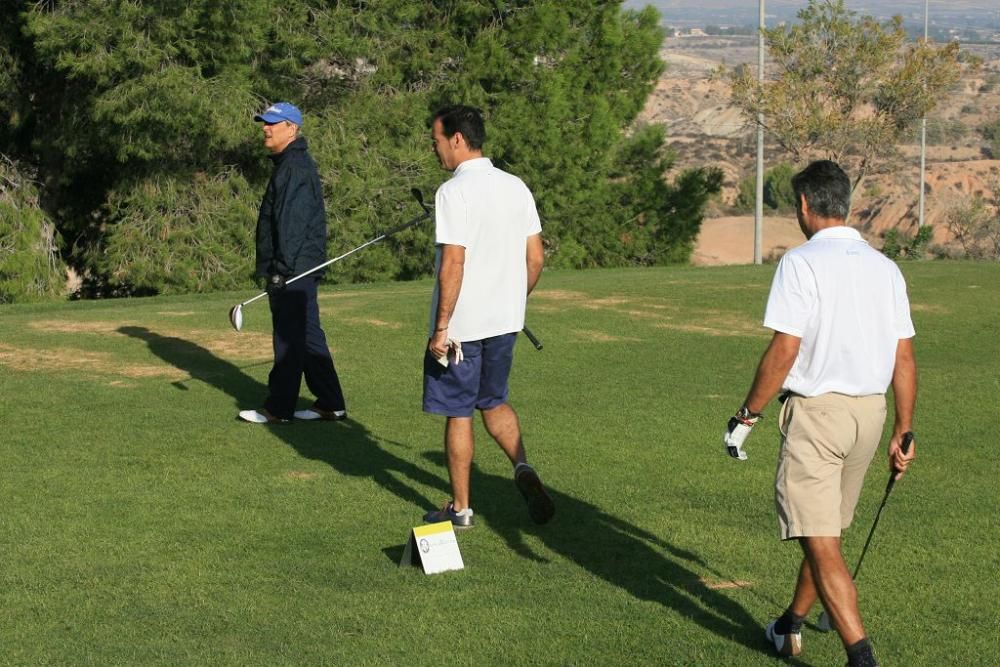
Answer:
(141, 524)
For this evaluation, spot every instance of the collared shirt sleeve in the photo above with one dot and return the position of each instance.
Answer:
(793, 297)
(451, 218)
(534, 225)
(904, 324)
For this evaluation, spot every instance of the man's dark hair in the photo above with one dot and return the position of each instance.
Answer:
(467, 120)
(826, 187)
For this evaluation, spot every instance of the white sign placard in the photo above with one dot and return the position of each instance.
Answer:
(434, 547)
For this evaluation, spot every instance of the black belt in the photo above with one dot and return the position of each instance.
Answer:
(785, 395)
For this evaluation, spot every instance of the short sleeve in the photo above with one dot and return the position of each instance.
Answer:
(903, 322)
(531, 220)
(792, 298)
(450, 218)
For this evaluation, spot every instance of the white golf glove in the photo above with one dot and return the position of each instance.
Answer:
(454, 350)
(737, 431)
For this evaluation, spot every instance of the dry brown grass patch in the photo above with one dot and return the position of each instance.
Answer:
(243, 345)
(603, 337)
(929, 308)
(372, 321)
(713, 329)
(120, 384)
(27, 359)
(560, 295)
(65, 326)
(300, 475)
(725, 585)
(228, 344)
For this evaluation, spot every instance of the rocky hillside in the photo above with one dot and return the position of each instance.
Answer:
(692, 100)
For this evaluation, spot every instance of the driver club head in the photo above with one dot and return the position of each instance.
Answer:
(236, 316)
(823, 624)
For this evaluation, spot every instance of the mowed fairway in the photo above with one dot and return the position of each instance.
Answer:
(140, 523)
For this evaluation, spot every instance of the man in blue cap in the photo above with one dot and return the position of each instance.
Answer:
(291, 239)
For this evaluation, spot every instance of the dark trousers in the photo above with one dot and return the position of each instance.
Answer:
(300, 349)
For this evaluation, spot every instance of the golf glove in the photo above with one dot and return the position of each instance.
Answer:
(737, 431)
(275, 284)
(454, 350)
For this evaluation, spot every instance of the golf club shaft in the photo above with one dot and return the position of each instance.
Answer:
(905, 446)
(327, 263)
(389, 233)
(534, 341)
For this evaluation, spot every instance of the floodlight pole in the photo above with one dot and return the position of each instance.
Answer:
(923, 143)
(758, 212)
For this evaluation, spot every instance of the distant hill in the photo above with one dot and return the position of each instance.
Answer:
(958, 14)
(704, 130)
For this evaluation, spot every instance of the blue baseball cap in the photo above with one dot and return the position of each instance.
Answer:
(278, 112)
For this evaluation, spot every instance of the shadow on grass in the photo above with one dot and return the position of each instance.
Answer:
(607, 546)
(346, 446)
(618, 552)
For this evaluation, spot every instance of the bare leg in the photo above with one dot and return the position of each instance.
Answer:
(459, 446)
(805, 591)
(503, 426)
(833, 582)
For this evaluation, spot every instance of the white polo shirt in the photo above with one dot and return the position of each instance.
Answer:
(491, 214)
(848, 304)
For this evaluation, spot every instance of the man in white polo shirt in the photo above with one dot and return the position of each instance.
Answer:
(489, 257)
(842, 334)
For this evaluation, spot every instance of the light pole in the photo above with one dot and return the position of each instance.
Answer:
(758, 213)
(923, 143)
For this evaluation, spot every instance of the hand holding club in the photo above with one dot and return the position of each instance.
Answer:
(275, 284)
(902, 451)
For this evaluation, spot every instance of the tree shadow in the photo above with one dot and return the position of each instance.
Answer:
(357, 452)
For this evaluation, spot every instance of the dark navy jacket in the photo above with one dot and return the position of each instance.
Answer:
(291, 226)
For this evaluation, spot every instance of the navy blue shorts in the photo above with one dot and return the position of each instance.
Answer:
(479, 382)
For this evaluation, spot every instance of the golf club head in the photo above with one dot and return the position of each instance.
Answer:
(823, 623)
(236, 316)
(419, 196)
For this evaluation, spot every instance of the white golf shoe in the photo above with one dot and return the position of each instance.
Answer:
(314, 413)
(261, 416)
(790, 644)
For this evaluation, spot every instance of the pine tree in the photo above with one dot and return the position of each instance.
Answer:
(137, 117)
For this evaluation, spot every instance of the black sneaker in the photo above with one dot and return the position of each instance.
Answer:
(540, 505)
(461, 519)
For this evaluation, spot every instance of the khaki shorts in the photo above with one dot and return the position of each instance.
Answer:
(827, 443)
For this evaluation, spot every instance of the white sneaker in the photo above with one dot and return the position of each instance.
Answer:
(314, 413)
(790, 644)
(261, 416)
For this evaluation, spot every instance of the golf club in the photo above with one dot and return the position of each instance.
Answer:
(236, 312)
(534, 341)
(823, 623)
